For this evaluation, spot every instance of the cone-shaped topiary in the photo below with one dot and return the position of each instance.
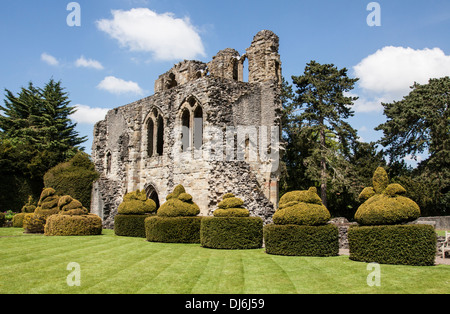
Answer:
(231, 206)
(136, 203)
(301, 208)
(385, 204)
(178, 204)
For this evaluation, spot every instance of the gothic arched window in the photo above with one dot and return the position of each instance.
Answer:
(191, 125)
(155, 134)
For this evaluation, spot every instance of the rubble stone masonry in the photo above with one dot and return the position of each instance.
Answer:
(204, 128)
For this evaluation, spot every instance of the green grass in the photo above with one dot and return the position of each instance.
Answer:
(112, 264)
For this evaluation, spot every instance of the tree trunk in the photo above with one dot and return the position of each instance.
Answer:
(323, 166)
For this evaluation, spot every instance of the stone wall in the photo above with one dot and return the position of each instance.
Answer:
(153, 144)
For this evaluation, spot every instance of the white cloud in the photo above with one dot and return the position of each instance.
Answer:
(118, 86)
(388, 74)
(88, 115)
(49, 59)
(88, 63)
(167, 37)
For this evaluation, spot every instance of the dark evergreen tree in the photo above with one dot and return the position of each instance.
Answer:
(322, 107)
(420, 123)
(36, 134)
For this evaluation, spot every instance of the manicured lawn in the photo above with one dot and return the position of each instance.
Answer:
(112, 264)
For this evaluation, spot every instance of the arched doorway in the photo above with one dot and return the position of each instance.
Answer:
(151, 192)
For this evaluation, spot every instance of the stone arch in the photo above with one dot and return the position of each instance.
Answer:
(152, 193)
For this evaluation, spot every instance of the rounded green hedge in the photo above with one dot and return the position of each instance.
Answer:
(384, 203)
(136, 203)
(393, 244)
(173, 229)
(179, 204)
(2, 219)
(73, 225)
(301, 240)
(231, 232)
(17, 220)
(301, 208)
(34, 223)
(130, 225)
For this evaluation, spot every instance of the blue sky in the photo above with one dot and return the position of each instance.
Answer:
(122, 46)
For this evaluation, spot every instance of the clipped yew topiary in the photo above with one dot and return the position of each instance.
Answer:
(47, 206)
(301, 227)
(132, 212)
(231, 227)
(385, 204)
(28, 208)
(178, 204)
(72, 220)
(176, 220)
(382, 236)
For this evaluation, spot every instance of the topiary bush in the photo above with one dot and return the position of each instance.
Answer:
(385, 204)
(231, 232)
(176, 220)
(301, 240)
(132, 212)
(178, 204)
(382, 236)
(72, 220)
(173, 229)
(231, 227)
(29, 207)
(136, 203)
(231, 206)
(47, 206)
(73, 225)
(393, 244)
(2, 219)
(300, 227)
(74, 177)
(301, 208)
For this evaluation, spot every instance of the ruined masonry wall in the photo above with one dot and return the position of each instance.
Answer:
(119, 148)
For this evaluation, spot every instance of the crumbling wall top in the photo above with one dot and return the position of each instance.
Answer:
(181, 73)
(263, 64)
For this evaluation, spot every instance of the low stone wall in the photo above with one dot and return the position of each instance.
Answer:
(343, 224)
(440, 222)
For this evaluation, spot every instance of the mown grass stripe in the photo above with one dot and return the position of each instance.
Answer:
(112, 264)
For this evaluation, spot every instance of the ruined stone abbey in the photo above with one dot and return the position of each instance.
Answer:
(204, 128)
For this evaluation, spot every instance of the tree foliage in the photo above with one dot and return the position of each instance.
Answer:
(420, 123)
(323, 107)
(36, 134)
